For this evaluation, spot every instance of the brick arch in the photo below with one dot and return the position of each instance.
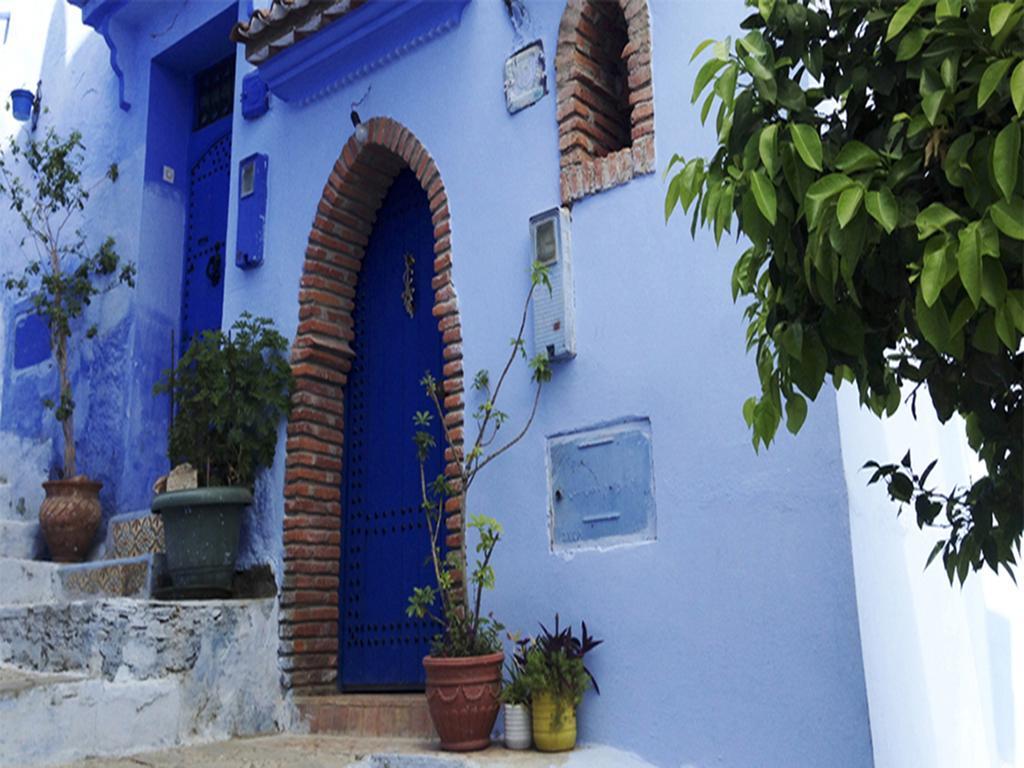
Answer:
(321, 360)
(594, 156)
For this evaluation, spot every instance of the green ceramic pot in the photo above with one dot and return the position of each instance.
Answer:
(201, 528)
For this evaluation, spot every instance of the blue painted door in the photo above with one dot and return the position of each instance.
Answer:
(202, 285)
(385, 545)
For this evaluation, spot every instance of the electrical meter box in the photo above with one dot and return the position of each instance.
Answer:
(554, 311)
(252, 211)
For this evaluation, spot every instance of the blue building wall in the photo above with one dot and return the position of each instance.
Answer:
(732, 639)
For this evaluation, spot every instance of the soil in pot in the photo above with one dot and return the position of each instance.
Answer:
(462, 695)
(69, 517)
(552, 734)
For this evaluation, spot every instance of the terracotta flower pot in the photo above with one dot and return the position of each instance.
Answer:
(69, 517)
(462, 695)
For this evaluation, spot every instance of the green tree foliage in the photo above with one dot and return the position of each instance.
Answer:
(870, 151)
(230, 392)
(43, 183)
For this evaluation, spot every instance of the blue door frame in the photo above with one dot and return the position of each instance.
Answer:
(385, 544)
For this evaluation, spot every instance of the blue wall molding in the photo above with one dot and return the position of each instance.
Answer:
(98, 14)
(356, 44)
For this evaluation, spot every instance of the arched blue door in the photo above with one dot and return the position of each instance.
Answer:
(385, 546)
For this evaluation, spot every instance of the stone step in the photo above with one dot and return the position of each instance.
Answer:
(21, 540)
(393, 715)
(25, 582)
(116, 677)
(52, 719)
(121, 577)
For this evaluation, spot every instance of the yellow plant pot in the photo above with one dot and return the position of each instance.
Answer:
(549, 736)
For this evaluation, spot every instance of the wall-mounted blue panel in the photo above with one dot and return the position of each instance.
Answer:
(31, 341)
(601, 486)
(252, 211)
(255, 96)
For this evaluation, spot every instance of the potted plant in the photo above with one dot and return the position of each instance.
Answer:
(229, 391)
(515, 699)
(43, 183)
(464, 666)
(557, 678)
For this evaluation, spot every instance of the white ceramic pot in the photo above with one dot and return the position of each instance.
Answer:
(518, 727)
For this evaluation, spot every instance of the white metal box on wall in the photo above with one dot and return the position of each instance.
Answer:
(554, 311)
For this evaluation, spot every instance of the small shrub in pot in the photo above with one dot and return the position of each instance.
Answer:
(230, 391)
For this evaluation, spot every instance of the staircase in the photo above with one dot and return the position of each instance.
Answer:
(90, 666)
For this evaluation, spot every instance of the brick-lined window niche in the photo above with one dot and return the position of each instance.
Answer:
(605, 105)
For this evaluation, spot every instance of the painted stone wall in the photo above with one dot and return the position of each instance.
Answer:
(120, 424)
(730, 640)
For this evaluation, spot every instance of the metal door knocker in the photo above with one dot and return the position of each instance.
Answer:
(408, 288)
(215, 264)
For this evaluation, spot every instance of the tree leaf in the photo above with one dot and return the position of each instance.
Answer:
(764, 194)
(935, 218)
(933, 273)
(993, 283)
(768, 147)
(707, 71)
(1009, 217)
(672, 196)
(704, 44)
(933, 322)
(849, 204)
(968, 258)
(792, 340)
(991, 78)
(1006, 158)
(1017, 88)
(931, 104)
(765, 8)
(857, 156)
(901, 18)
(807, 143)
(883, 208)
(998, 15)
(910, 44)
(796, 412)
(820, 191)
(947, 9)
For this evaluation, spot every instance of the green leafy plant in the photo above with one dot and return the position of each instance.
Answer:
(230, 392)
(465, 631)
(871, 153)
(43, 183)
(514, 688)
(552, 663)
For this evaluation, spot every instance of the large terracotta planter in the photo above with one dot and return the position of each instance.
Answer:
(69, 517)
(463, 698)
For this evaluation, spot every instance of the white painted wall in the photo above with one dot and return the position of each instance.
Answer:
(944, 666)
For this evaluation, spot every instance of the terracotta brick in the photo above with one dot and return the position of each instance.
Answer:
(305, 630)
(312, 678)
(315, 567)
(311, 536)
(310, 645)
(309, 604)
(313, 521)
(311, 552)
